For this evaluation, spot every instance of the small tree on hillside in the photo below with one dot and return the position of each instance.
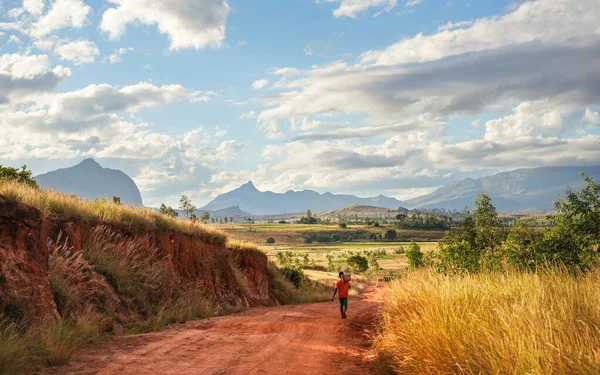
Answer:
(414, 256)
(205, 217)
(270, 240)
(185, 205)
(117, 200)
(168, 211)
(358, 264)
(390, 235)
(23, 175)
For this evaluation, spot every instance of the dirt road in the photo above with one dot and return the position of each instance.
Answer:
(294, 339)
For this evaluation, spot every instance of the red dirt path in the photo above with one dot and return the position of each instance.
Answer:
(293, 339)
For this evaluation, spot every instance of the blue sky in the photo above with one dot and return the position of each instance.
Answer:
(369, 97)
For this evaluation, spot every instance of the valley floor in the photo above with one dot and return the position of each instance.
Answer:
(291, 339)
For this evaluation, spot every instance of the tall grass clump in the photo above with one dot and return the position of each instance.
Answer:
(492, 323)
(133, 268)
(71, 208)
(15, 347)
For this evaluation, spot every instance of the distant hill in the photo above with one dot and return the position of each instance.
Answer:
(360, 210)
(234, 211)
(523, 190)
(89, 180)
(249, 199)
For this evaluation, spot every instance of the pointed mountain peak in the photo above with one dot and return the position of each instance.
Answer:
(248, 186)
(89, 163)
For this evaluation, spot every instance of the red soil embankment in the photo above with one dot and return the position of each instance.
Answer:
(27, 237)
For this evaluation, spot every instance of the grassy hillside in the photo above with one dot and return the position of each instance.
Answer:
(71, 208)
(492, 323)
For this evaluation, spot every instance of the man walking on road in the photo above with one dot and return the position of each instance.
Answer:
(342, 288)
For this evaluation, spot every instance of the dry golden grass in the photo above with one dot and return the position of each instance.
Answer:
(546, 323)
(243, 246)
(71, 208)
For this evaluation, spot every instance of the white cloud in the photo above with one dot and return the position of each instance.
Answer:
(34, 7)
(79, 52)
(272, 151)
(260, 84)
(117, 56)
(248, 115)
(202, 96)
(591, 118)
(24, 75)
(14, 39)
(527, 23)
(189, 24)
(351, 8)
(62, 13)
(286, 72)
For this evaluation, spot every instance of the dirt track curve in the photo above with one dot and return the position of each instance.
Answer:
(294, 339)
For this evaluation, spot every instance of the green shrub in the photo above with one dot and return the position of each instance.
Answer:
(343, 225)
(294, 275)
(390, 235)
(358, 264)
(399, 250)
(22, 176)
(270, 240)
(414, 256)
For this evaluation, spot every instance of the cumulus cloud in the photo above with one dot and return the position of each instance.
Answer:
(62, 13)
(23, 75)
(79, 52)
(189, 24)
(34, 7)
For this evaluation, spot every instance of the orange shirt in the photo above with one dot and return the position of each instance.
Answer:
(342, 288)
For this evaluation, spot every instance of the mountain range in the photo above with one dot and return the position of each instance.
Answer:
(250, 199)
(530, 190)
(89, 180)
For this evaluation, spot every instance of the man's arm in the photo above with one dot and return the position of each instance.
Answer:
(334, 292)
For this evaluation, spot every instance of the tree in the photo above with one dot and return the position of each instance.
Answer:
(414, 256)
(343, 225)
(375, 236)
(335, 238)
(185, 205)
(117, 200)
(390, 235)
(23, 175)
(309, 214)
(358, 264)
(574, 238)
(270, 240)
(401, 217)
(168, 211)
(205, 217)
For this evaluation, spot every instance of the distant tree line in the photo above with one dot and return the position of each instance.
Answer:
(425, 222)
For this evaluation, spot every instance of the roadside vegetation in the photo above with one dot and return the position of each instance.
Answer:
(501, 299)
(70, 208)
